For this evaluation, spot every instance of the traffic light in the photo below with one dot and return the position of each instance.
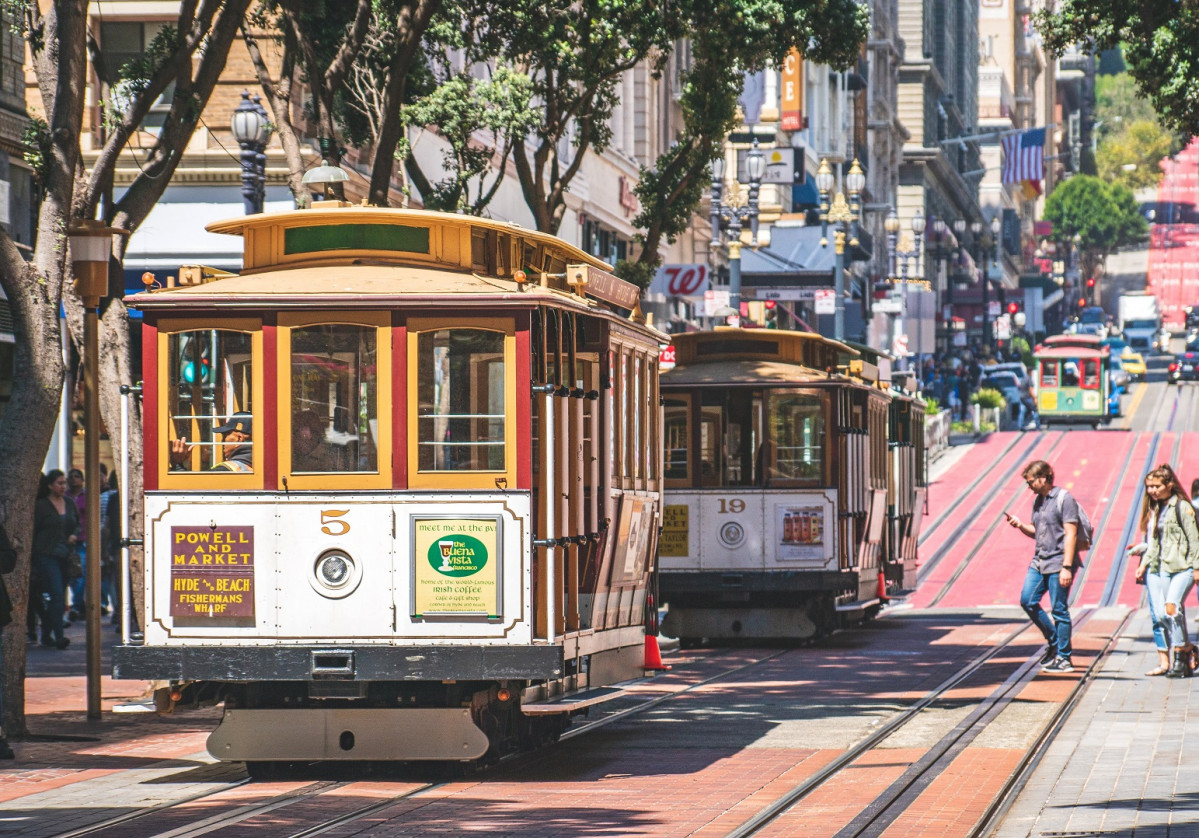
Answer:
(1013, 307)
(1090, 282)
(1082, 302)
(195, 360)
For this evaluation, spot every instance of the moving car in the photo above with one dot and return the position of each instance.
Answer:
(1184, 368)
(1119, 375)
(1017, 368)
(1132, 361)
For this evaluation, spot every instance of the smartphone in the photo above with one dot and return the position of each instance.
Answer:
(1008, 515)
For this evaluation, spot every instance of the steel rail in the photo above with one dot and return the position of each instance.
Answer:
(932, 527)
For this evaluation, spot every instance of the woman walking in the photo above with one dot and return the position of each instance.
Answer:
(55, 531)
(1170, 562)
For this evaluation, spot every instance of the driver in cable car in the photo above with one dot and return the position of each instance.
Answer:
(239, 453)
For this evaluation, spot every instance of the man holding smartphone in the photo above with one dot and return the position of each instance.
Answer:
(1054, 527)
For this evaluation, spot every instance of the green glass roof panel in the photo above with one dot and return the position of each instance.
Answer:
(388, 237)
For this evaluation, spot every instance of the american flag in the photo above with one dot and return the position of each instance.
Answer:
(1024, 156)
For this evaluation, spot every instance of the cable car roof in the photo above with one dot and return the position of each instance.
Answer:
(741, 372)
(1070, 352)
(726, 343)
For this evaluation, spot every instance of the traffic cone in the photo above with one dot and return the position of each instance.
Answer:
(882, 587)
(653, 655)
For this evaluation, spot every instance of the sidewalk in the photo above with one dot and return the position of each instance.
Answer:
(1126, 763)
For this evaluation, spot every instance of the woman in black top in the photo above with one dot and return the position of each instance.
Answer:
(55, 531)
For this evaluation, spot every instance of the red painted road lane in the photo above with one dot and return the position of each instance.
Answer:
(1088, 464)
(976, 518)
(942, 493)
(954, 484)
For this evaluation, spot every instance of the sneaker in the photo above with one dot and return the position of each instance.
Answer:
(1058, 665)
(1049, 655)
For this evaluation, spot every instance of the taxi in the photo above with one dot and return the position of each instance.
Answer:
(1133, 361)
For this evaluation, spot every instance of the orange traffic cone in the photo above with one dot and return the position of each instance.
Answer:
(653, 655)
(882, 587)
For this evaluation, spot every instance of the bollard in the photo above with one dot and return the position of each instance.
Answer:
(974, 412)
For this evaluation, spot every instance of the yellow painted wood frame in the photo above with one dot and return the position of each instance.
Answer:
(418, 479)
(209, 480)
(381, 479)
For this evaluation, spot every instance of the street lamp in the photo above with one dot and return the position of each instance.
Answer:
(252, 130)
(844, 215)
(909, 251)
(732, 212)
(326, 174)
(91, 250)
(959, 229)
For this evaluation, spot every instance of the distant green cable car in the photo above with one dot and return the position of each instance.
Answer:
(1073, 380)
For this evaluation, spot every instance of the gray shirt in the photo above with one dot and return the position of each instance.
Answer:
(1049, 522)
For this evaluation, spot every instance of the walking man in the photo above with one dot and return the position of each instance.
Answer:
(1054, 527)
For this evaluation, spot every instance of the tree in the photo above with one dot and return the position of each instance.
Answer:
(1103, 217)
(731, 38)
(190, 55)
(1160, 42)
(1133, 156)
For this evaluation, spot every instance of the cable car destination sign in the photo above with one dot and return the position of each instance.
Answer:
(212, 574)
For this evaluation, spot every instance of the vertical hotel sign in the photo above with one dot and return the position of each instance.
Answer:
(792, 92)
(456, 567)
(212, 573)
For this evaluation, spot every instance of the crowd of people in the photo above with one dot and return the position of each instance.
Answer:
(58, 562)
(953, 382)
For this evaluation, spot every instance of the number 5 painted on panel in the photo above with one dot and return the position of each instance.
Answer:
(330, 523)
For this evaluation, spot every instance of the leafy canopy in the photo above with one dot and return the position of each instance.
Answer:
(1104, 216)
(1160, 41)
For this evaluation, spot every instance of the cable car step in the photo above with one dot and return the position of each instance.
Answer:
(856, 606)
(571, 701)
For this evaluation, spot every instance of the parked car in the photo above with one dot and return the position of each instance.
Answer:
(1184, 368)
(1006, 383)
(1015, 367)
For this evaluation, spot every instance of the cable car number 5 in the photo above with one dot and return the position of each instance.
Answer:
(331, 523)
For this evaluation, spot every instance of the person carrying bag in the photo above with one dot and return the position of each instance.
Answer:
(1169, 563)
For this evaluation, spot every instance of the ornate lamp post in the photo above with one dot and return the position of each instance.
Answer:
(252, 130)
(959, 229)
(91, 249)
(844, 216)
(731, 213)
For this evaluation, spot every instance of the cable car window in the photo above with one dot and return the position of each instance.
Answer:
(1090, 373)
(1048, 376)
(209, 383)
(796, 439)
(1070, 374)
(678, 437)
(460, 389)
(334, 399)
(710, 440)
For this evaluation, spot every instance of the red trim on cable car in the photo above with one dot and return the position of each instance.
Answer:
(150, 428)
(524, 403)
(270, 406)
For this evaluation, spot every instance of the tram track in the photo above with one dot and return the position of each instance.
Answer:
(974, 484)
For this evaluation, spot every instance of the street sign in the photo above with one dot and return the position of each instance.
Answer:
(1003, 327)
(666, 357)
(715, 300)
(887, 305)
(779, 293)
(686, 280)
(826, 301)
(992, 309)
(780, 166)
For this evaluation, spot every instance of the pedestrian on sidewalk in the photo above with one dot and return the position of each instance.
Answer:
(1054, 528)
(77, 493)
(55, 532)
(1169, 563)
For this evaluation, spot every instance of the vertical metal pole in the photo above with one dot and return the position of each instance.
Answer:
(551, 501)
(126, 583)
(839, 285)
(91, 377)
(735, 274)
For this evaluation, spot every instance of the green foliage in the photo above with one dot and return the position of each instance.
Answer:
(1133, 156)
(37, 142)
(459, 109)
(1160, 42)
(986, 397)
(931, 406)
(1104, 216)
(640, 274)
(1118, 103)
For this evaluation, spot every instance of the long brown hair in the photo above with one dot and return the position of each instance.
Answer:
(1165, 475)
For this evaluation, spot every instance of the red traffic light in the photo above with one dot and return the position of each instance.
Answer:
(1091, 282)
(1012, 308)
(1082, 303)
(770, 304)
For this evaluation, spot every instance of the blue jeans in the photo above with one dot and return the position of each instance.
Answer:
(1155, 619)
(49, 571)
(1057, 630)
(1169, 589)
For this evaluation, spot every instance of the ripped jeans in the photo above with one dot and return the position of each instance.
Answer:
(1165, 590)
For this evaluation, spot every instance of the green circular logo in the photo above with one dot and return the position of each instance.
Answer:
(457, 555)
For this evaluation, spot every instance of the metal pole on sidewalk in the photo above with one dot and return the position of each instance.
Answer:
(91, 249)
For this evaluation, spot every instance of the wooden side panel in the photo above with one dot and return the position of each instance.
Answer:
(151, 426)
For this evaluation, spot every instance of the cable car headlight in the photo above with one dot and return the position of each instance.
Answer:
(335, 574)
